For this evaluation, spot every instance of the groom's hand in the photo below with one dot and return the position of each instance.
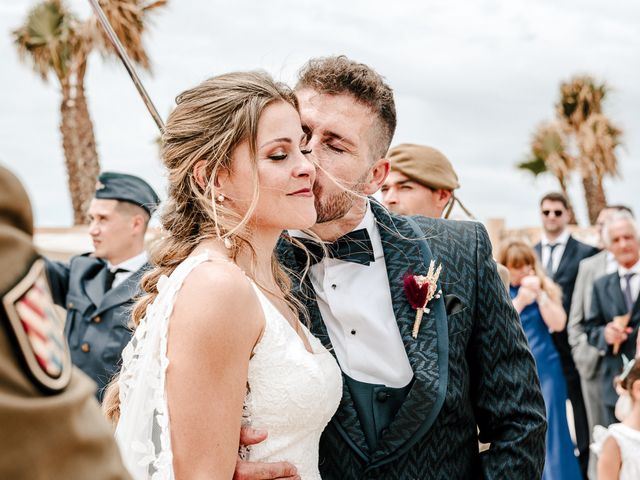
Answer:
(259, 470)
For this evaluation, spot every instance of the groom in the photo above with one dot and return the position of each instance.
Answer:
(412, 407)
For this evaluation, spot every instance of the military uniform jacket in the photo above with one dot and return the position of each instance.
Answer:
(97, 326)
(471, 363)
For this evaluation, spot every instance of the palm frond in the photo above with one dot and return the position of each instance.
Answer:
(580, 97)
(534, 165)
(47, 38)
(598, 139)
(129, 19)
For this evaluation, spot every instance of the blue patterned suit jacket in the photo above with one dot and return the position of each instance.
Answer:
(472, 367)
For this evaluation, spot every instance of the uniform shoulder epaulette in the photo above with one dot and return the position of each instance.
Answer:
(38, 330)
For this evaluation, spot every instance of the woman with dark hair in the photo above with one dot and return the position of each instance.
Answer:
(539, 302)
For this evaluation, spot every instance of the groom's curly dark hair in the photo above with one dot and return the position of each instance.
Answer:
(339, 75)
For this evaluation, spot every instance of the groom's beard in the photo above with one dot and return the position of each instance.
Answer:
(334, 206)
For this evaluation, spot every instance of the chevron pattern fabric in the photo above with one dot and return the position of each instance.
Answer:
(488, 382)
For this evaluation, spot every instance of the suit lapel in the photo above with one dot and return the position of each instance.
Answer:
(567, 256)
(428, 353)
(94, 286)
(346, 418)
(123, 293)
(615, 294)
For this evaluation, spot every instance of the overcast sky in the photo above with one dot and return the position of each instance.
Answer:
(471, 78)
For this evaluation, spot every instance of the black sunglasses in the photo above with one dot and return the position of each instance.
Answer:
(557, 213)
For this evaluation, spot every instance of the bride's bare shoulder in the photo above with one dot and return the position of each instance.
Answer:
(218, 294)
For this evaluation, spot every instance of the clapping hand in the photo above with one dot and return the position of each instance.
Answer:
(530, 288)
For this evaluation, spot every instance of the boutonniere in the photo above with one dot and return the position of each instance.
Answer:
(420, 290)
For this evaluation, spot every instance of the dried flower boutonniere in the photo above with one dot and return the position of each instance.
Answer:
(420, 290)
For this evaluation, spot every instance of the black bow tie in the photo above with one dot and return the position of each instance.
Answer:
(353, 247)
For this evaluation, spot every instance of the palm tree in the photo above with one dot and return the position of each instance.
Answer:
(549, 154)
(52, 39)
(580, 113)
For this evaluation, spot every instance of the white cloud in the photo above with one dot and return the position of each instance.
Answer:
(472, 78)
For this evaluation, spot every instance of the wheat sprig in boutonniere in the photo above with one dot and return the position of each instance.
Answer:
(420, 290)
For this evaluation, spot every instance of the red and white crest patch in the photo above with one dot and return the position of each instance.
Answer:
(38, 329)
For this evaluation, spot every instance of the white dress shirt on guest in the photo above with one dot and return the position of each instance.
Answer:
(635, 280)
(356, 307)
(131, 266)
(561, 243)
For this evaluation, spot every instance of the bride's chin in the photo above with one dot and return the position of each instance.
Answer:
(303, 221)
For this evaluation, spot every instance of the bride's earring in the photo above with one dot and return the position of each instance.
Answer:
(228, 243)
(220, 198)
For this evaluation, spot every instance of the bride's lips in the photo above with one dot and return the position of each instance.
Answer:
(304, 192)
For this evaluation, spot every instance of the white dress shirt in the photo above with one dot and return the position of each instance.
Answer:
(131, 266)
(561, 243)
(612, 263)
(634, 281)
(356, 307)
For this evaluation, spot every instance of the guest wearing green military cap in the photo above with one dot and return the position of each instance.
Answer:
(98, 289)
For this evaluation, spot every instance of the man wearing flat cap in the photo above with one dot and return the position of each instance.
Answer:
(51, 423)
(421, 181)
(98, 289)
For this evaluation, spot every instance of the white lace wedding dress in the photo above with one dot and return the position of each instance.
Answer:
(293, 393)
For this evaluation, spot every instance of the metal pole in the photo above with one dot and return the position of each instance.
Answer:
(115, 41)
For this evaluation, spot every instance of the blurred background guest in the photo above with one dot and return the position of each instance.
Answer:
(538, 301)
(421, 181)
(98, 289)
(612, 322)
(586, 356)
(560, 255)
(618, 447)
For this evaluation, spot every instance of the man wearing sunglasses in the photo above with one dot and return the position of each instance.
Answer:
(560, 255)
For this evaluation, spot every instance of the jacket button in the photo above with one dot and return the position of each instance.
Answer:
(85, 347)
(97, 319)
(70, 305)
(382, 396)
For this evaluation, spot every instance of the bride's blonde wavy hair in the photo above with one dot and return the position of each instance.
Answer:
(208, 123)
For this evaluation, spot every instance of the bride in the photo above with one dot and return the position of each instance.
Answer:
(218, 341)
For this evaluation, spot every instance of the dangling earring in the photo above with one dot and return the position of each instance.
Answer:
(228, 243)
(220, 198)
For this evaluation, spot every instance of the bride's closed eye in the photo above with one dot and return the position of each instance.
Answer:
(278, 156)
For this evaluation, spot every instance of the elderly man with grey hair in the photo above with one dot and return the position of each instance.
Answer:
(586, 356)
(612, 324)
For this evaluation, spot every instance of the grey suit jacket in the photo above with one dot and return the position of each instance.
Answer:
(585, 355)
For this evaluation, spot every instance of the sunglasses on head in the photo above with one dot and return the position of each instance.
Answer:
(556, 213)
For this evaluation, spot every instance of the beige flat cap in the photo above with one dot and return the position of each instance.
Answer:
(423, 164)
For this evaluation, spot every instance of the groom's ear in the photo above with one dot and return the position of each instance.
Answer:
(377, 175)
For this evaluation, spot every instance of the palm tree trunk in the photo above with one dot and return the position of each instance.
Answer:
(594, 196)
(565, 192)
(68, 130)
(78, 142)
(88, 162)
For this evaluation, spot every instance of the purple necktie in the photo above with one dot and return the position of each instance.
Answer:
(628, 298)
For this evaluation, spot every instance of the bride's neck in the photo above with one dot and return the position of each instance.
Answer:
(255, 260)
